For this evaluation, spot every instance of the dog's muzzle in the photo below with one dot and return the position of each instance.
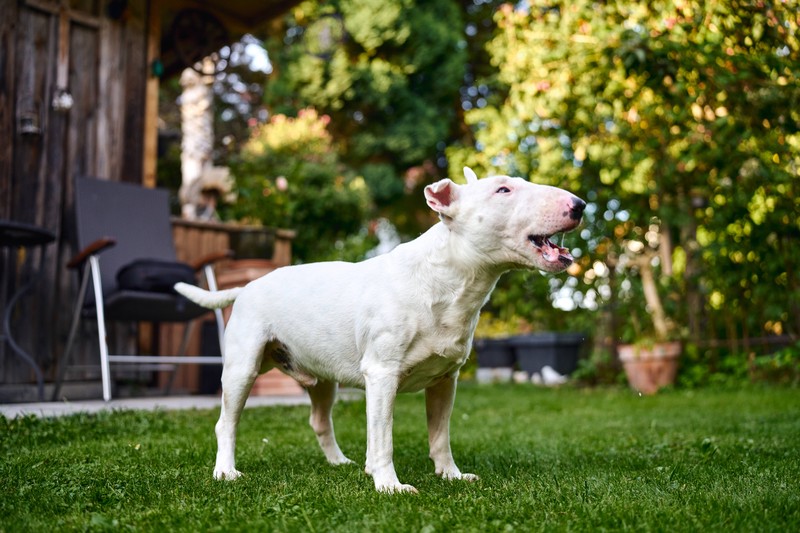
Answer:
(576, 211)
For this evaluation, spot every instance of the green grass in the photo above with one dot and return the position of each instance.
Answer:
(549, 460)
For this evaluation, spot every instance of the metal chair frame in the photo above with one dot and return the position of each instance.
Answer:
(89, 260)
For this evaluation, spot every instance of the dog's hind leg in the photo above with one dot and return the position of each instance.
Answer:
(240, 371)
(439, 400)
(323, 395)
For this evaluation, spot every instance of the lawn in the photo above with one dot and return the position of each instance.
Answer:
(549, 460)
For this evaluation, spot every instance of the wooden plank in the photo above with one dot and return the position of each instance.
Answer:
(106, 104)
(84, 70)
(8, 38)
(150, 154)
(132, 75)
(33, 64)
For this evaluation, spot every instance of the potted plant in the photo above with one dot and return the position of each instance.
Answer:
(650, 367)
(651, 361)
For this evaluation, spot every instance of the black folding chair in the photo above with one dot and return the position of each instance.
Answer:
(121, 223)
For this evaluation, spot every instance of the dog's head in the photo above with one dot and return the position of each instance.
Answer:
(509, 221)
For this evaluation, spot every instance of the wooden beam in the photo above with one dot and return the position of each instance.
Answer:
(9, 17)
(151, 95)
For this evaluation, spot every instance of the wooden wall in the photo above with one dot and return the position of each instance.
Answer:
(46, 45)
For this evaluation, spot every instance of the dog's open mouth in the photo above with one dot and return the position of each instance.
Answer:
(551, 252)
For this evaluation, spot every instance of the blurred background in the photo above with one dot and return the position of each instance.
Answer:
(678, 121)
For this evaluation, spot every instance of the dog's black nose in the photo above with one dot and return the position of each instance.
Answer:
(576, 211)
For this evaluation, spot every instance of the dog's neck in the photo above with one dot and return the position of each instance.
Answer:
(452, 271)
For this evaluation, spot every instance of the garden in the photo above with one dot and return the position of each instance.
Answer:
(678, 122)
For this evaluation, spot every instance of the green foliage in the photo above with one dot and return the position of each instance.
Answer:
(782, 367)
(382, 182)
(678, 121)
(491, 327)
(601, 368)
(736, 368)
(288, 175)
(390, 84)
(549, 460)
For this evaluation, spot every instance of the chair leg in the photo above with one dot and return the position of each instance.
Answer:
(105, 370)
(73, 330)
(187, 332)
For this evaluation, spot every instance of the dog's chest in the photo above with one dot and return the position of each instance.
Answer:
(428, 371)
(439, 349)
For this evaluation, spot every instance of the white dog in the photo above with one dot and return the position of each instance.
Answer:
(398, 322)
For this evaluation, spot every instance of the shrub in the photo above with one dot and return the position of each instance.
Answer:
(289, 175)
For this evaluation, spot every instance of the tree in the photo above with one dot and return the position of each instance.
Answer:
(678, 121)
(387, 72)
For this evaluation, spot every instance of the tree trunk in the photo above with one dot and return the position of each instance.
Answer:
(691, 275)
(652, 297)
(197, 127)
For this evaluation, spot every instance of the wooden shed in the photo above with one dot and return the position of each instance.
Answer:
(79, 82)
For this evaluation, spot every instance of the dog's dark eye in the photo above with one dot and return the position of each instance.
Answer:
(503, 190)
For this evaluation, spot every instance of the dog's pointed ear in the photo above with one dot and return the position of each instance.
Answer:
(470, 175)
(442, 197)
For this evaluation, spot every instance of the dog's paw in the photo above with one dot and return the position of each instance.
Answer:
(386, 481)
(228, 475)
(338, 461)
(456, 474)
(396, 488)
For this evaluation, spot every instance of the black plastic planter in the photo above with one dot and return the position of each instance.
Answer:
(559, 351)
(494, 353)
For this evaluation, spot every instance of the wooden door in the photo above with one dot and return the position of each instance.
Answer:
(72, 80)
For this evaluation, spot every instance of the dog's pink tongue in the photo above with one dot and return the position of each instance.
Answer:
(550, 252)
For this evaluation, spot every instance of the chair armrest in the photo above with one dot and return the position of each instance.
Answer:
(96, 247)
(199, 264)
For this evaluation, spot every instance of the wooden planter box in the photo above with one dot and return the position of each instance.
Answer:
(238, 274)
(194, 240)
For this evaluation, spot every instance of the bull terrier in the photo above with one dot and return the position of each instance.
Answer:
(398, 322)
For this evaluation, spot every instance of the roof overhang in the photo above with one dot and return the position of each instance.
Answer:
(237, 17)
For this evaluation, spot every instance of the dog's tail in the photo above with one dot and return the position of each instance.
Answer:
(209, 299)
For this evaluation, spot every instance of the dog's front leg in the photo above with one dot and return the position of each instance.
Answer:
(439, 400)
(381, 386)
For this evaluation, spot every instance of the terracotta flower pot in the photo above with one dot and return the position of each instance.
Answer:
(650, 368)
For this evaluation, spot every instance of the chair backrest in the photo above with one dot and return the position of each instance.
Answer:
(137, 217)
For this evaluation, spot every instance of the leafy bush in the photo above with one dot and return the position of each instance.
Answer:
(288, 175)
(601, 368)
(678, 123)
(782, 367)
(701, 367)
